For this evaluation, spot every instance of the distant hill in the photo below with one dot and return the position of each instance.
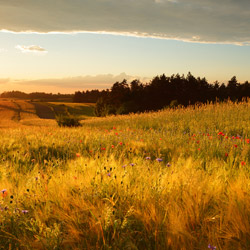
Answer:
(38, 96)
(16, 112)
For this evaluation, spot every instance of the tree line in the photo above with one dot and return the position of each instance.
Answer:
(161, 92)
(36, 95)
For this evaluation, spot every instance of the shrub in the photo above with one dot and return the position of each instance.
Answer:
(68, 121)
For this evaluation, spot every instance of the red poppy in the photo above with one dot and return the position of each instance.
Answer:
(78, 154)
(243, 163)
(4, 193)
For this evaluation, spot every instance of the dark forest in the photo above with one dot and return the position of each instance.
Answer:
(162, 92)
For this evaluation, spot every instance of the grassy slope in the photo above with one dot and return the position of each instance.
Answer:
(81, 110)
(16, 113)
(92, 187)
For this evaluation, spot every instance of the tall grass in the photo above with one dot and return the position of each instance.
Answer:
(174, 179)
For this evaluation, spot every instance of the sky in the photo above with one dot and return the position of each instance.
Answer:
(65, 46)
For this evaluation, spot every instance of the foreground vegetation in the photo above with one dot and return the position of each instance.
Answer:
(175, 179)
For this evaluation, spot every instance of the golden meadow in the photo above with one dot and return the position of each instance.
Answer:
(173, 179)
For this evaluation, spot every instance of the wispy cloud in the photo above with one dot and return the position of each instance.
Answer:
(31, 49)
(66, 85)
(82, 82)
(224, 21)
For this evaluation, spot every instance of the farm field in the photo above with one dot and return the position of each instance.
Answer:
(16, 112)
(173, 179)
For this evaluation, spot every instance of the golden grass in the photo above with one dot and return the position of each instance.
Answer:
(93, 187)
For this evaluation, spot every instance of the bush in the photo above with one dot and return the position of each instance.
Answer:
(68, 121)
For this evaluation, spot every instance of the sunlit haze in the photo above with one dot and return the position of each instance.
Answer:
(42, 51)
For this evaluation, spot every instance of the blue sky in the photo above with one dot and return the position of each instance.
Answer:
(42, 52)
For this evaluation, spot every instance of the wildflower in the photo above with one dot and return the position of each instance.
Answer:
(103, 149)
(108, 174)
(168, 164)
(159, 160)
(247, 140)
(148, 158)
(25, 211)
(120, 143)
(112, 146)
(226, 154)
(78, 154)
(132, 164)
(243, 163)
(198, 149)
(80, 141)
(211, 247)
(235, 145)
(124, 166)
(4, 192)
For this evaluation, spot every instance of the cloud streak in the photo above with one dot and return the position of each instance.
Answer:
(31, 49)
(224, 21)
(78, 83)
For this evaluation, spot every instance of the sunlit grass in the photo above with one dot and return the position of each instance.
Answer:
(80, 110)
(174, 179)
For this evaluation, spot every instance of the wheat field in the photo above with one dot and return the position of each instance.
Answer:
(173, 179)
